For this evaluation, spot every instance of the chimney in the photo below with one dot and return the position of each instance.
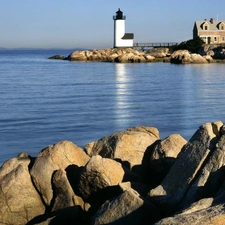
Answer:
(211, 20)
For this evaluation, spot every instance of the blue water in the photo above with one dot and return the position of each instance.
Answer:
(44, 101)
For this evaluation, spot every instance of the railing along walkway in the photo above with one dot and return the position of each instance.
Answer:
(155, 44)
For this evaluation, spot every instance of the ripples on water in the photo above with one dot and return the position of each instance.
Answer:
(45, 101)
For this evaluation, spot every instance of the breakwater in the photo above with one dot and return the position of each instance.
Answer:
(129, 177)
(130, 55)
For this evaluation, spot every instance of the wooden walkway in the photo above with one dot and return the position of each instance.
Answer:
(155, 45)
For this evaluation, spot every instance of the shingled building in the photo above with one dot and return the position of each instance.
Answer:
(212, 31)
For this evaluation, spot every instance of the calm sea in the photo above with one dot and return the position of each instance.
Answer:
(44, 101)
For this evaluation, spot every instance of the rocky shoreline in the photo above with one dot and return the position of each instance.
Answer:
(206, 54)
(130, 177)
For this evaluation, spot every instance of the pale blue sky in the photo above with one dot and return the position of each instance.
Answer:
(89, 23)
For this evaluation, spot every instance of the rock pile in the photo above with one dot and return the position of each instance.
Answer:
(185, 57)
(130, 177)
(207, 54)
(215, 51)
(121, 55)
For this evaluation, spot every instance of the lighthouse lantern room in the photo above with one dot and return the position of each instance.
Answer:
(121, 39)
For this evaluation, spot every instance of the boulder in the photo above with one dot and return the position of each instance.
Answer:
(64, 196)
(19, 200)
(149, 58)
(78, 56)
(196, 206)
(184, 57)
(65, 185)
(158, 52)
(214, 215)
(98, 174)
(208, 58)
(186, 167)
(55, 157)
(122, 55)
(128, 146)
(210, 178)
(57, 57)
(13, 163)
(215, 51)
(128, 208)
(161, 157)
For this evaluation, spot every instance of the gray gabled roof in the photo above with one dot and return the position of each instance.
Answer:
(211, 26)
(128, 36)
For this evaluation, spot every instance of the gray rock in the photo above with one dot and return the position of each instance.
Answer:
(188, 164)
(57, 57)
(210, 178)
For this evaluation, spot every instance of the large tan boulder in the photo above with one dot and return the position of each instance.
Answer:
(185, 57)
(128, 208)
(112, 56)
(19, 200)
(98, 174)
(162, 156)
(149, 58)
(130, 57)
(13, 163)
(194, 154)
(169, 147)
(128, 145)
(158, 52)
(78, 56)
(55, 157)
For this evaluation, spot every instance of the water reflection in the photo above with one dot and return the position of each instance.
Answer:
(122, 112)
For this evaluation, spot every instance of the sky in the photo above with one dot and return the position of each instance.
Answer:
(89, 23)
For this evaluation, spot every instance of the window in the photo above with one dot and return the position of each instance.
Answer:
(223, 38)
(215, 39)
(222, 27)
(206, 27)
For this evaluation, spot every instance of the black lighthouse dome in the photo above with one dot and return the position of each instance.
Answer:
(119, 15)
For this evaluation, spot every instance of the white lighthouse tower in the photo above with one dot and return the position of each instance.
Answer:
(121, 39)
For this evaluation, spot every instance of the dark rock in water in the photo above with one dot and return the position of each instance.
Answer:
(57, 57)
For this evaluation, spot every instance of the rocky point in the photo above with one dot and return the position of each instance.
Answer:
(129, 177)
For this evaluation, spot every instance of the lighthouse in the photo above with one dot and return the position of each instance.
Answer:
(121, 39)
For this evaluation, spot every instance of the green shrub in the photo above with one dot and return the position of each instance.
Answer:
(191, 45)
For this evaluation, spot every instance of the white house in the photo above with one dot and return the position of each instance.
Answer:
(121, 39)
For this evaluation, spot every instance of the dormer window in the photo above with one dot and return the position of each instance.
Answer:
(206, 27)
(221, 26)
